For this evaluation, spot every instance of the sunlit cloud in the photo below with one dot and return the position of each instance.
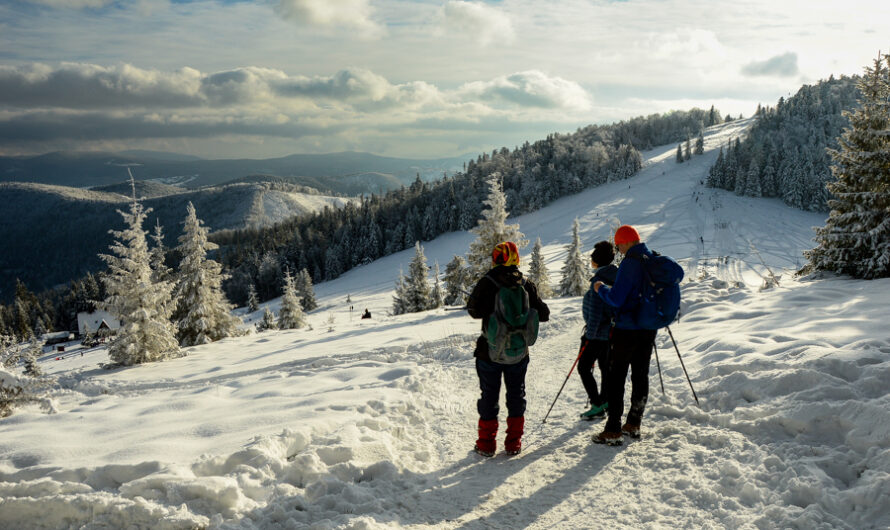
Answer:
(90, 103)
(351, 15)
(531, 89)
(477, 21)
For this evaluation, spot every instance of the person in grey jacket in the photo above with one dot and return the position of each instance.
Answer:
(598, 325)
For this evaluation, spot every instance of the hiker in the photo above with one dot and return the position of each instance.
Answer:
(481, 304)
(366, 314)
(598, 324)
(631, 346)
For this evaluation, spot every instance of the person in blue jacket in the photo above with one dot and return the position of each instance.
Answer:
(598, 325)
(631, 346)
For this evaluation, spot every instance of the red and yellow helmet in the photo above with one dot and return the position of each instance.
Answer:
(505, 253)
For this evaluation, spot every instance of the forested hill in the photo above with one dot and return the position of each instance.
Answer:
(533, 175)
(785, 154)
(53, 234)
(346, 173)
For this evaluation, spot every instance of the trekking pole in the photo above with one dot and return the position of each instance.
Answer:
(684, 366)
(578, 358)
(658, 364)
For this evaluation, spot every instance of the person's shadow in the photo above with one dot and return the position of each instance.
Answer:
(452, 495)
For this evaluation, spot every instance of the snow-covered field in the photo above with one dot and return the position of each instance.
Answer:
(370, 423)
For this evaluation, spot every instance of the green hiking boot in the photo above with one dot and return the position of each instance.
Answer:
(596, 412)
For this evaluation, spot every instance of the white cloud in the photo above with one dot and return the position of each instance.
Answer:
(74, 103)
(484, 24)
(72, 4)
(531, 89)
(353, 15)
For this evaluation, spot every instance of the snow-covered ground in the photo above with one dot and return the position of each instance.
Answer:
(370, 423)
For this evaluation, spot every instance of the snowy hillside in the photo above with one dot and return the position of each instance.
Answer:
(370, 423)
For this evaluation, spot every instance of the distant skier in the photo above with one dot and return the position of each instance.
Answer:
(598, 325)
(366, 314)
(631, 346)
(499, 287)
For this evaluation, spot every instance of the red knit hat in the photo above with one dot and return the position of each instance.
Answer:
(506, 253)
(626, 234)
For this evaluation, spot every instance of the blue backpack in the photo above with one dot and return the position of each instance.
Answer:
(660, 291)
(513, 326)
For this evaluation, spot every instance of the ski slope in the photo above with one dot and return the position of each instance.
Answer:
(369, 424)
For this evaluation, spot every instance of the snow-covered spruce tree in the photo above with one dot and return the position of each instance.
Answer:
(142, 305)
(158, 256)
(576, 271)
(253, 302)
(291, 314)
(16, 391)
(437, 295)
(399, 305)
(699, 144)
(537, 272)
(492, 229)
(203, 311)
(417, 295)
(680, 153)
(268, 321)
(457, 281)
(856, 237)
(30, 356)
(306, 290)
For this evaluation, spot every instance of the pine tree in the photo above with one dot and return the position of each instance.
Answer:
(399, 298)
(700, 144)
(16, 391)
(30, 356)
(457, 280)
(492, 229)
(687, 154)
(417, 293)
(680, 158)
(253, 302)
(856, 237)
(306, 290)
(158, 255)
(538, 272)
(204, 315)
(291, 314)
(576, 271)
(437, 295)
(268, 321)
(143, 306)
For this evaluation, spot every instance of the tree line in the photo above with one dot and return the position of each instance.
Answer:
(785, 153)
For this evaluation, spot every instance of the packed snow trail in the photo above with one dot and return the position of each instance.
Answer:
(371, 425)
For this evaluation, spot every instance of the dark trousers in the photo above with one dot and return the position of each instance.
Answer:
(595, 352)
(490, 383)
(631, 348)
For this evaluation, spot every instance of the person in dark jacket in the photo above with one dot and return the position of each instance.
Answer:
(505, 271)
(598, 325)
(631, 346)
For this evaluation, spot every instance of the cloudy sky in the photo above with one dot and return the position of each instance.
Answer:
(418, 79)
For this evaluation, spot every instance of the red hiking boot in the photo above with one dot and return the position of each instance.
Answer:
(513, 441)
(487, 442)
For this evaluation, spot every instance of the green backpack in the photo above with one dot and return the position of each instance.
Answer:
(513, 326)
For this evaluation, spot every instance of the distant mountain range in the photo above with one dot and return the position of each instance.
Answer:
(52, 234)
(346, 173)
